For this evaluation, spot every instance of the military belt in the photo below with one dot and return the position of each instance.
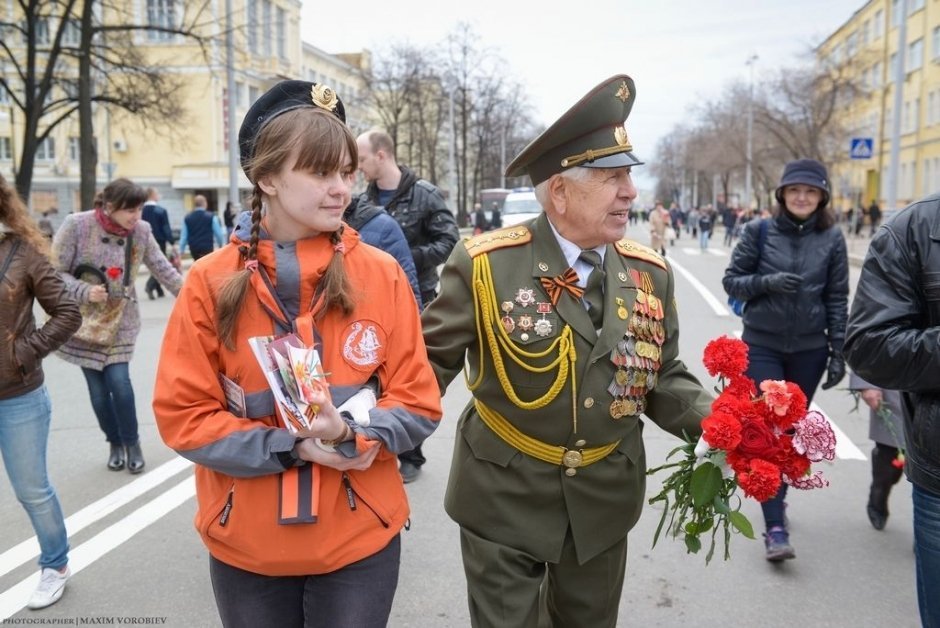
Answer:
(553, 454)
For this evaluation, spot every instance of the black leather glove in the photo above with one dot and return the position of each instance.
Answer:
(782, 282)
(835, 371)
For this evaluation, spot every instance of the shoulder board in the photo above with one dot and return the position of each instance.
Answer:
(499, 239)
(427, 185)
(629, 248)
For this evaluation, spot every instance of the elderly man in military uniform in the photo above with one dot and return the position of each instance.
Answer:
(569, 334)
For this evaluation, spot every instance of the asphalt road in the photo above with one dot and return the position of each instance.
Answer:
(137, 559)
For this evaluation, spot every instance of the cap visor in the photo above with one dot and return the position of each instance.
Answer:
(613, 161)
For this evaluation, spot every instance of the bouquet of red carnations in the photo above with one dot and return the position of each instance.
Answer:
(750, 440)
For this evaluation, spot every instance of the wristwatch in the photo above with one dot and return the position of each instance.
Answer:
(290, 458)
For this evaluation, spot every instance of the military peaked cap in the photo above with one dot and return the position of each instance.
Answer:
(283, 97)
(590, 134)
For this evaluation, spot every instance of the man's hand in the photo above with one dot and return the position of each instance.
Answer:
(873, 397)
(835, 370)
(785, 283)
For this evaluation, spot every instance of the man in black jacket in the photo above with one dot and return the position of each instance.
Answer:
(893, 341)
(160, 226)
(429, 227)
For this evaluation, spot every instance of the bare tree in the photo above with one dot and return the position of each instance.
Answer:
(66, 55)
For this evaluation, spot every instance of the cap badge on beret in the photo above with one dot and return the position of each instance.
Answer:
(624, 92)
(324, 97)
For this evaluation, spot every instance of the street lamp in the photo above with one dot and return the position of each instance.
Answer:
(750, 129)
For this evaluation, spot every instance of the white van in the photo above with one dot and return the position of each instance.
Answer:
(519, 207)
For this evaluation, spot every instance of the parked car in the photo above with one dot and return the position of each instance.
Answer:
(520, 207)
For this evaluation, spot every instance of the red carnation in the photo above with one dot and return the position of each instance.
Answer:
(114, 272)
(761, 481)
(725, 357)
(721, 431)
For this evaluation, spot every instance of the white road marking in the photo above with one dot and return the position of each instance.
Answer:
(29, 549)
(695, 252)
(14, 599)
(717, 306)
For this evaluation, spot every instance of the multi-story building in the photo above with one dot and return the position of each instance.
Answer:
(866, 46)
(190, 156)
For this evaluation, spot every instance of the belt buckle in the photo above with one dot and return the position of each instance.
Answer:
(572, 459)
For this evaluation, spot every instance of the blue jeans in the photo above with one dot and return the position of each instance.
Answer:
(24, 433)
(803, 368)
(355, 596)
(112, 398)
(703, 238)
(927, 549)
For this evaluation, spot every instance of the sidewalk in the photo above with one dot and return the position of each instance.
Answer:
(857, 246)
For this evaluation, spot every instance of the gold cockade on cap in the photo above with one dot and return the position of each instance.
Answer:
(324, 97)
(623, 92)
(620, 134)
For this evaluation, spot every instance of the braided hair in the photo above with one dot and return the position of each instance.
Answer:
(322, 143)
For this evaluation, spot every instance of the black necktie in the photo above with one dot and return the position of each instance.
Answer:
(594, 291)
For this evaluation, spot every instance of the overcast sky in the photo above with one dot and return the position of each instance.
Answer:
(678, 52)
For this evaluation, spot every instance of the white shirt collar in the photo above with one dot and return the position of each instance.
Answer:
(571, 251)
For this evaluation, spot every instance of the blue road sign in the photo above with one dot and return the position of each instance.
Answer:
(861, 148)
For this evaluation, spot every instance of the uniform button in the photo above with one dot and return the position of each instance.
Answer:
(589, 402)
(580, 443)
(524, 337)
(571, 472)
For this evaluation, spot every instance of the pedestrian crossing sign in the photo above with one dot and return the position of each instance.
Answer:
(861, 148)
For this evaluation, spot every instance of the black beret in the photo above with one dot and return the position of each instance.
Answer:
(590, 134)
(283, 97)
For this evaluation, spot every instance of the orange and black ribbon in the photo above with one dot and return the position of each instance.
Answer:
(567, 281)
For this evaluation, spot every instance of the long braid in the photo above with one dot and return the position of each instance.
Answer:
(233, 291)
(335, 290)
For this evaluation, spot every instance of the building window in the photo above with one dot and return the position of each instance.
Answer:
(851, 44)
(866, 32)
(253, 94)
(6, 149)
(4, 97)
(878, 24)
(266, 25)
(45, 151)
(915, 55)
(75, 149)
(935, 43)
(72, 34)
(895, 12)
(252, 26)
(239, 94)
(41, 34)
(914, 6)
(893, 69)
(161, 14)
(281, 33)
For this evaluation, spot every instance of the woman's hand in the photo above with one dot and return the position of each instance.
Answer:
(328, 424)
(98, 294)
(308, 450)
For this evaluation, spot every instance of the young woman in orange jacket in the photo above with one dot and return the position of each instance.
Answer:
(302, 526)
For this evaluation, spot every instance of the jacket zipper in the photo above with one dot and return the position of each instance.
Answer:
(351, 500)
(227, 510)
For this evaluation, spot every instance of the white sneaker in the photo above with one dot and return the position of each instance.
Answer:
(50, 589)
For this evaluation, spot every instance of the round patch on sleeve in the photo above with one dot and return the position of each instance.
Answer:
(364, 344)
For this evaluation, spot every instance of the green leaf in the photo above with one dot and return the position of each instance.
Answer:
(721, 506)
(705, 484)
(705, 525)
(741, 524)
(692, 543)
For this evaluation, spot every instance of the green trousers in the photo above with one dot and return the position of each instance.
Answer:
(510, 588)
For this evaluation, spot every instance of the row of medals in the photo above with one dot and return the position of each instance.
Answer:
(525, 297)
(637, 357)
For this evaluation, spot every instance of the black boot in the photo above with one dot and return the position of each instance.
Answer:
(116, 458)
(884, 475)
(135, 458)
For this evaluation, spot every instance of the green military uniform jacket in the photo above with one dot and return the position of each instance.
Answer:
(512, 498)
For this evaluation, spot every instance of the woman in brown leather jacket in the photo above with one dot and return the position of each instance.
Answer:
(26, 275)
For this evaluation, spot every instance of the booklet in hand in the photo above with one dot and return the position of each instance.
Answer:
(294, 373)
